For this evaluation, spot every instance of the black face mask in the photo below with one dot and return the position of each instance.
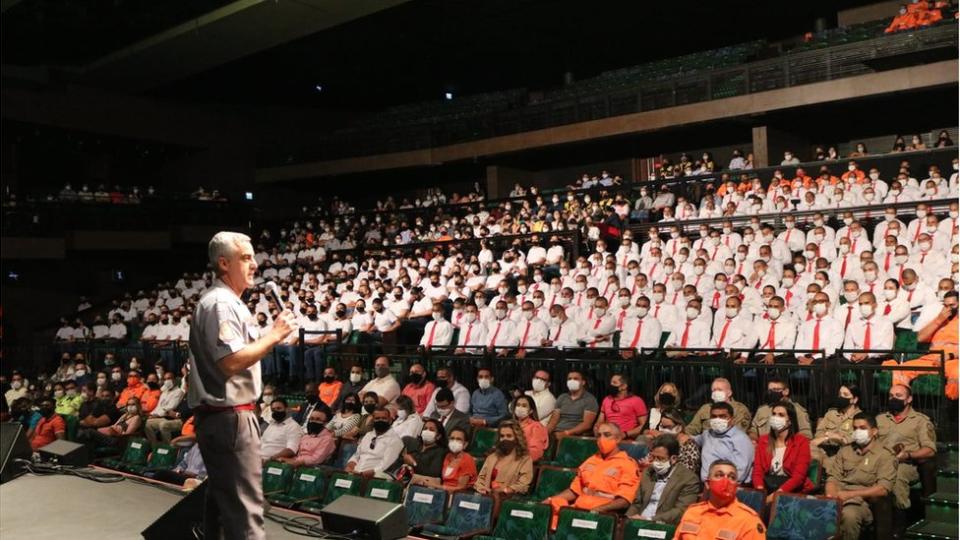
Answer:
(415, 378)
(381, 426)
(613, 390)
(667, 400)
(369, 407)
(314, 428)
(153, 386)
(46, 411)
(341, 313)
(329, 378)
(279, 416)
(351, 407)
(896, 406)
(841, 403)
(505, 447)
(774, 397)
(312, 316)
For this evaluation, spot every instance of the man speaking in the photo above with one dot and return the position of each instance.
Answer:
(226, 346)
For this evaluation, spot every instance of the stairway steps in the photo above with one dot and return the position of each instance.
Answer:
(933, 530)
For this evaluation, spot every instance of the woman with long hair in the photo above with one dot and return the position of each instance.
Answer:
(782, 456)
(835, 428)
(508, 468)
(525, 414)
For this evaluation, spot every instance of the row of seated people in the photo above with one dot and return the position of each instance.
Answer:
(772, 450)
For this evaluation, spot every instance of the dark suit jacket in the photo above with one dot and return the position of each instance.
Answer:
(682, 490)
(457, 419)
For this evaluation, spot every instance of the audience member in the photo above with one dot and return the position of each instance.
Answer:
(667, 487)
(508, 469)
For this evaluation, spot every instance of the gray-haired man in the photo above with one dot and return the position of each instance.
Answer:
(226, 346)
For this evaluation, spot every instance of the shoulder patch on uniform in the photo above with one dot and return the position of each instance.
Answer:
(687, 527)
(226, 332)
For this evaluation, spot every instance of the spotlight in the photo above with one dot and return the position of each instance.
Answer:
(318, 87)
(248, 195)
(448, 96)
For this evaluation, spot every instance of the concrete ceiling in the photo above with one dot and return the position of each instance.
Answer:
(234, 31)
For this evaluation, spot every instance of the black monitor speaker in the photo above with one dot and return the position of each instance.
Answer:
(366, 518)
(182, 520)
(65, 453)
(13, 446)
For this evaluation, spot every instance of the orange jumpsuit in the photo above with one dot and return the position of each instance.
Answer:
(736, 521)
(149, 400)
(599, 481)
(945, 339)
(129, 392)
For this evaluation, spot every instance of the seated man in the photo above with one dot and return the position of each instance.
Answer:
(488, 406)
(720, 391)
(777, 391)
(725, 441)
(575, 410)
(910, 435)
(50, 427)
(378, 450)
(864, 469)
(281, 438)
(166, 417)
(438, 333)
(721, 515)
(134, 389)
(317, 445)
(941, 334)
(190, 468)
(606, 482)
(667, 487)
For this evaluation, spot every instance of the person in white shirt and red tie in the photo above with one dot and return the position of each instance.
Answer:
(437, 333)
(869, 332)
(531, 330)
(501, 332)
(641, 331)
(598, 329)
(473, 333)
(733, 329)
(777, 331)
(563, 331)
(692, 331)
(821, 332)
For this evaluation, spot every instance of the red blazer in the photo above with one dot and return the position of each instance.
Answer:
(796, 462)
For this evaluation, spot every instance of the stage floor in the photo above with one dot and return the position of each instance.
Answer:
(70, 508)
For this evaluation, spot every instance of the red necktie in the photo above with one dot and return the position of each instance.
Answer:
(866, 337)
(714, 256)
(623, 313)
(556, 337)
(772, 336)
(843, 267)
(816, 336)
(787, 239)
(886, 262)
(723, 333)
(716, 300)
(922, 257)
(917, 235)
(686, 334)
(789, 296)
(430, 337)
(596, 324)
(636, 335)
(493, 341)
(466, 340)
(652, 270)
(656, 311)
(849, 315)
(526, 331)
(886, 310)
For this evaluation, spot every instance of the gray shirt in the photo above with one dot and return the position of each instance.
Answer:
(571, 410)
(222, 325)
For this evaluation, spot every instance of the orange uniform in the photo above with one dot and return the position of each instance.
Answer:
(149, 400)
(329, 392)
(944, 339)
(599, 481)
(188, 428)
(736, 521)
(131, 392)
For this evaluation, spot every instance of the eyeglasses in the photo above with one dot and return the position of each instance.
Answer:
(373, 443)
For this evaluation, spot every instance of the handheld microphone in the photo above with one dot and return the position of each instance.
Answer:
(274, 291)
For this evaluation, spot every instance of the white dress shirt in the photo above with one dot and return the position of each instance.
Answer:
(437, 334)
(461, 400)
(829, 337)
(740, 333)
(501, 334)
(278, 436)
(473, 336)
(531, 333)
(881, 335)
(698, 335)
(640, 333)
(385, 387)
(386, 449)
(784, 333)
(564, 334)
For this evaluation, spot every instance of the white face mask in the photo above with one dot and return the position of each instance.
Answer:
(437, 316)
(573, 385)
(658, 297)
(718, 425)
(455, 446)
(870, 276)
(642, 312)
(850, 297)
(732, 312)
(428, 437)
(132, 409)
(692, 313)
(470, 317)
(501, 313)
(819, 309)
(861, 436)
(889, 294)
(866, 310)
(773, 313)
(521, 412)
(356, 377)
(538, 385)
(718, 395)
(599, 312)
(661, 467)
(483, 383)
(777, 423)
(167, 385)
(698, 270)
